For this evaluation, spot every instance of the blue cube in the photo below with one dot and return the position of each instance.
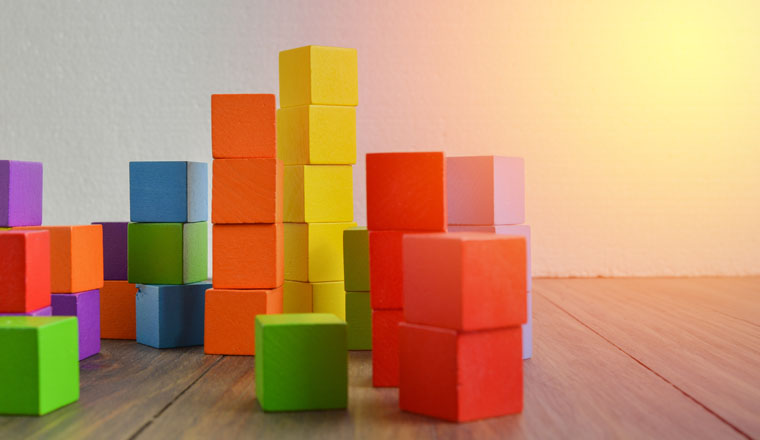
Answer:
(168, 192)
(169, 316)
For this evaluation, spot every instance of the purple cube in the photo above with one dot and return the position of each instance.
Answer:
(86, 307)
(114, 250)
(45, 311)
(20, 193)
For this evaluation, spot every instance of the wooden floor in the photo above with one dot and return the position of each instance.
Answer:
(630, 358)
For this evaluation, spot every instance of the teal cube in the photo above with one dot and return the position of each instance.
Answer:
(356, 259)
(167, 253)
(359, 321)
(39, 364)
(301, 362)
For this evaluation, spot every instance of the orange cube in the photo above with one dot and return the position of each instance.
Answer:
(24, 271)
(117, 310)
(248, 256)
(243, 126)
(247, 191)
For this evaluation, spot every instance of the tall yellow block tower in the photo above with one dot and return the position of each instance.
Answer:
(316, 135)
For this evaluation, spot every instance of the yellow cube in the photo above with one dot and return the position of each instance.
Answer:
(296, 297)
(316, 134)
(314, 251)
(329, 297)
(318, 193)
(319, 75)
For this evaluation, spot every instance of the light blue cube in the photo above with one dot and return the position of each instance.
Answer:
(169, 316)
(168, 192)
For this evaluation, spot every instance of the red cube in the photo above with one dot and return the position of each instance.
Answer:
(386, 269)
(24, 271)
(385, 361)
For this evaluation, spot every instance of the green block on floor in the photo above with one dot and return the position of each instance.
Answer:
(39, 364)
(301, 362)
(359, 320)
(167, 253)
(356, 259)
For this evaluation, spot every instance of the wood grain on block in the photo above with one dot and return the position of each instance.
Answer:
(86, 307)
(356, 259)
(485, 190)
(39, 364)
(319, 75)
(460, 376)
(24, 271)
(243, 126)
(167, 253)
(168, 192)
(359, 320)
(76, 257)
(247, 191)
(329, 297)
(170, 316)
(314, 251)
(230, 326)
(114, 250)
(385, 348)
(464, 280)
(117, 310)
(297, 297)
(406, 191)
(318, 193)
(248, 256)
(44, 311)
(20, 193)
(316, 134)
(301, 362)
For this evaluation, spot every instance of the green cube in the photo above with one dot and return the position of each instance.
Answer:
(39, 364)
(301, 362)
(167, 253)
(359, 320)
(356, 259)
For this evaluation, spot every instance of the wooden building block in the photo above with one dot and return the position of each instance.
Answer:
(45, 311)
(406, 192)
(247, 191)
(301, 362)
(316, 134)
(485, 190)
(464, 280)
(167, 253)
(329, 298)
(356, 259)
(85, 306)
(114, 250)
(318, 193)
(170, 316)
(460, 376)
(248, 256)
(297, 297)
(385, 360)
(168, 192)
(20, 193)
(117, 310)
(386, 269)
(527, 331)
(359, 320)
(243, 126)
(314, 251)
(319, 75)
(39, 364)
(230, 325)
(24, 271)
(76, 257)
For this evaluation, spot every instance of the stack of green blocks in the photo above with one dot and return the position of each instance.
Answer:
(356, 267)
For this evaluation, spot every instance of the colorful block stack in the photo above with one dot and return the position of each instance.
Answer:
(464, 303)
(316, 129)
(406, 193)
(356, 269)
(167, 251)
(247, 197)
(117, 297)
(487, 194)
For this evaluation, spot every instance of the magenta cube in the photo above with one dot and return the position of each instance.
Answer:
(114, 250)
(44, 311)
(20, 193)
(86, 307)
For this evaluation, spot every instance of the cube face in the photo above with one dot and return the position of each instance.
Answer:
(356, 259)
(85, 306)
(114, 250)
(359, 320)
(385, 347)
(527, 331)
(247, 191)
(316, 134)
(45, 311)
(313, 251)
(297, 297)
(478, 280)
(387, 269)
(117, 310)
(243, 126)
(316, 193)
(485, 190)
(169, 316)
(301, 362)
(20, 193)
(168, 192)
(237, 267)
(329, 298)
(230, 325)
(319, 75)
(24, 271)
(39, 364)
(167, 253)
(460, 376)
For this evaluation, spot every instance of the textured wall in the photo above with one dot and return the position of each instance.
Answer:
(638, 120)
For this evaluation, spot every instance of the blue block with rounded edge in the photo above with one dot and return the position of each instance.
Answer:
(169, 316)
(168, 192)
